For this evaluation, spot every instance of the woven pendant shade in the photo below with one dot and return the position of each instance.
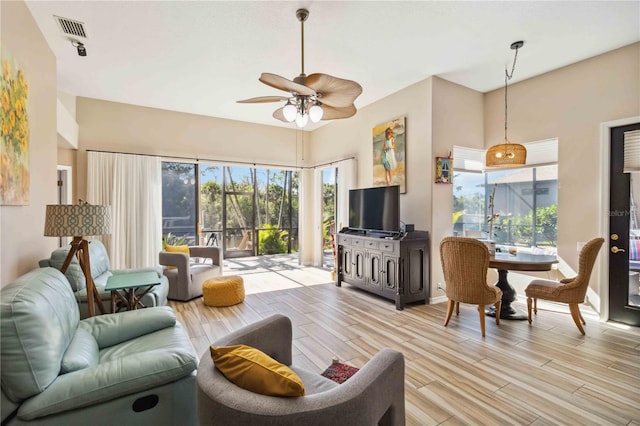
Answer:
(506, 155)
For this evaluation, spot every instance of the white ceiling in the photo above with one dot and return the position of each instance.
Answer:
(202, 56)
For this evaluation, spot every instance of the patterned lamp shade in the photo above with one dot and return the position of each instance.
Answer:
(77, 220)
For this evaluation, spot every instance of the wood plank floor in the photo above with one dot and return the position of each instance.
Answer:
(543, 374)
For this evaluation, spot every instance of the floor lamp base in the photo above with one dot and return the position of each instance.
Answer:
(80, 247)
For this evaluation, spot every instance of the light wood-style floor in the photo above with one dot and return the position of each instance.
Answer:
(543, 374)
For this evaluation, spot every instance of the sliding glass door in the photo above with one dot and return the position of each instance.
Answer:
(238, 211)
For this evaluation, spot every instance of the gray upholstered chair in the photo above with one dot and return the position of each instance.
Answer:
(373, 396)
(186, 279)
(132, 368)
(465, 262)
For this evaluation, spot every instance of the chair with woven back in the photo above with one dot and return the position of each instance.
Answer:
(568, 290)
(465, 262)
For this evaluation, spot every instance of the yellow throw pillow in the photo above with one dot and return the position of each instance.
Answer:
(176, 249)
(256, 371)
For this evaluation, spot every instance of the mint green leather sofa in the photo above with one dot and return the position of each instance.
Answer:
(101, 271)
(136, 367)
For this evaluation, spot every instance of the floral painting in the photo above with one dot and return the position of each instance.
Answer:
(14, 134)
(389, 147)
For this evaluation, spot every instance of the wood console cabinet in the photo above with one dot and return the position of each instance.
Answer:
(397, 269)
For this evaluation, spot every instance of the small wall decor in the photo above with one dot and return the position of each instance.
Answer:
(14, 134)
(444, 170)
(389, 153)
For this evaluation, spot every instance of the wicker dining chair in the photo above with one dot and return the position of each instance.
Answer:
(568, 290)
(465, 262)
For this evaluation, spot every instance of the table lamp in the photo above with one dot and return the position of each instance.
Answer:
(79, 221)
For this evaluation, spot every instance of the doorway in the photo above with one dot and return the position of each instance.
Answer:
(624, 232)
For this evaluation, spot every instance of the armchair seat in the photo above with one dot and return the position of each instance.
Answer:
(186, 278)
(373, 396)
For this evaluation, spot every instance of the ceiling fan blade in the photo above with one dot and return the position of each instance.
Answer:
(278, 114)
(282, 83)
(263, 99)
(332, 113)
(334, 91)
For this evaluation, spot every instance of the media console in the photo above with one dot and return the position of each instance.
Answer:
(393, 266)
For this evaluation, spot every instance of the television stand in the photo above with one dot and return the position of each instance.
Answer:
(387, 264)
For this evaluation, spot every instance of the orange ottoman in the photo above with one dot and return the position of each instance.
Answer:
(223, 291)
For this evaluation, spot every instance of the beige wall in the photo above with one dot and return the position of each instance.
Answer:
(111, 126)
(570, 104)
(352, 138)
(22, 242)
(457, 120)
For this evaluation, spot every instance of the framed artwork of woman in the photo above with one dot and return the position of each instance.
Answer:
(389, 147)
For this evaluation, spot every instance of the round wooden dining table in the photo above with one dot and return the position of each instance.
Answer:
(505, 262)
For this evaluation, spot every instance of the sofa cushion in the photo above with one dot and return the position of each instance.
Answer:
(253, 370)
(82, 352)
(38, 320)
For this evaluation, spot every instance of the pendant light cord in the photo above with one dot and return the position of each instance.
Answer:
(508, 77)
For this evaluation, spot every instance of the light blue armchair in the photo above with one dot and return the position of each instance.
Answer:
(136, 367)
(101, 271)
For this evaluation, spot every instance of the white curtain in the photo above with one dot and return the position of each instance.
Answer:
(317, 217)
(346, 181)
(132, 185)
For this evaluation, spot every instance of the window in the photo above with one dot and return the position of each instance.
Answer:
(236, 207)
(525, 201)
(179, 203)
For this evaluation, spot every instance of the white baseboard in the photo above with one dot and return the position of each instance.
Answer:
(437, 299)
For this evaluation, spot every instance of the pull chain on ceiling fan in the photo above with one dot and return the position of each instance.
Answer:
(316, 96)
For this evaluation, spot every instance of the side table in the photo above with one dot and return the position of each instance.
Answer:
(123, 287)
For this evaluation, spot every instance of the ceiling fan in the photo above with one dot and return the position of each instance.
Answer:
(313, 97)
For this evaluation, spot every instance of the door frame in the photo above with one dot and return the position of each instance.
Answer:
(601, 300)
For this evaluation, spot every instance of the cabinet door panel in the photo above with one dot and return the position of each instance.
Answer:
(390, 268)
(347, 262)
(375, 269)
(359, 265)
(415, 272)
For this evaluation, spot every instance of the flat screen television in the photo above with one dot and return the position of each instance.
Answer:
(375, 209)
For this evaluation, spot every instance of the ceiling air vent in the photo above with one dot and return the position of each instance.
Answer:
(71, 27)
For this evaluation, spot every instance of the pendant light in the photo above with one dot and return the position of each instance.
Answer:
(507, 154)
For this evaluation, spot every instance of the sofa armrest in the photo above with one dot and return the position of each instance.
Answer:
(271, 335)
(110, 380)
(111, 329)
(208, 252)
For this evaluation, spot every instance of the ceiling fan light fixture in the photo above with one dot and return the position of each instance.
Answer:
(315, 113)
(303, 102)
(302, 119)
(289, 111)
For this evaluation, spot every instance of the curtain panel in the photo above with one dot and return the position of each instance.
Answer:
(132, 185)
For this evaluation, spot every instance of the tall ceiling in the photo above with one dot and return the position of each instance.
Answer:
(201, 57)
